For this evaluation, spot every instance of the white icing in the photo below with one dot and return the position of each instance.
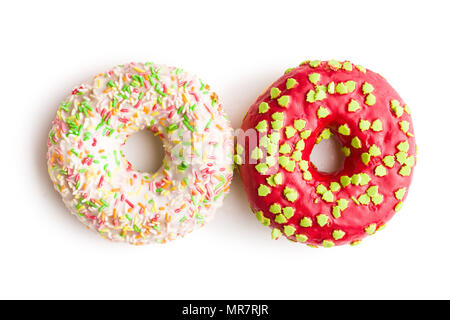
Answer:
(129, 205)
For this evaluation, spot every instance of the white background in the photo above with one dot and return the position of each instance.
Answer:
(239, 47)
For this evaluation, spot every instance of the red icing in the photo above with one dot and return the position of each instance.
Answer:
(356, 218)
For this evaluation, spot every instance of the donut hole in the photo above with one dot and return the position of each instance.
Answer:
(144, 151)
(327, 155)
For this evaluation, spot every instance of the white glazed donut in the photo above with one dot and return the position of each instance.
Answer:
(102, 188)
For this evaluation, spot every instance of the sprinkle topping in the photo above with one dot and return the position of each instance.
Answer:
(314, 102)
(98, 184)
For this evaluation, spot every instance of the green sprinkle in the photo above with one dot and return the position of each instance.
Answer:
(367, 88)
(307, 176)
(377, 199)
(261, 126)
(356, 143)
(209, 123)
(87, 136)
(389, 161)
(280, 219)
(327, 243)
(335, 187)
(299, 124)
(296, 155)
(290, 194)
(356, 179)
(278, 178)
(283, 101)
(331, 87)
(277, 124)
(259, 216)
(264, 141)
(365, 158)
(283, 161)
(405, 171)
(398, 206)
(328, 196)
(342, 204)
(314, 78)
(321, 189)
(410, 161)
(351, 85)
(353, 106)
(341, 88)
(364, 199)
(305, 134)
(300, 145)
(276, 233)
(289, 230)
(404, 126)
(334, 64)
(311, 96)
(65, 106)
(320, 93)
(303, 165)
(183, 166)
(361, 68)
(338, 234)
(364, 125)
(344, 130)
(291, 83)
(257, 154)
(270, 160)
(172, 127)
(74, 152)
(347, 65)
(396, 108)
(403, 146)
(407, 109)
(263, 190)
(288, 212)
(306, 222)
(301, 237)
(270, 182)
(285, 148)
(365, 179)
(370, 99)
(289, 132)
(371, 191)
(345, 181)
(336, 212)
(278, 116)
(314, 63)
(186, 123)
(322, 112)
(377, 125)
(401, 157)
(322, 219)
(274, 92)
(326, 134)
(261, 168)
(371, 229)
(374, 151)
(380, 171)
(290, 166)
(263, 107)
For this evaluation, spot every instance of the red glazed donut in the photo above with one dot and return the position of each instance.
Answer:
(310, 103)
